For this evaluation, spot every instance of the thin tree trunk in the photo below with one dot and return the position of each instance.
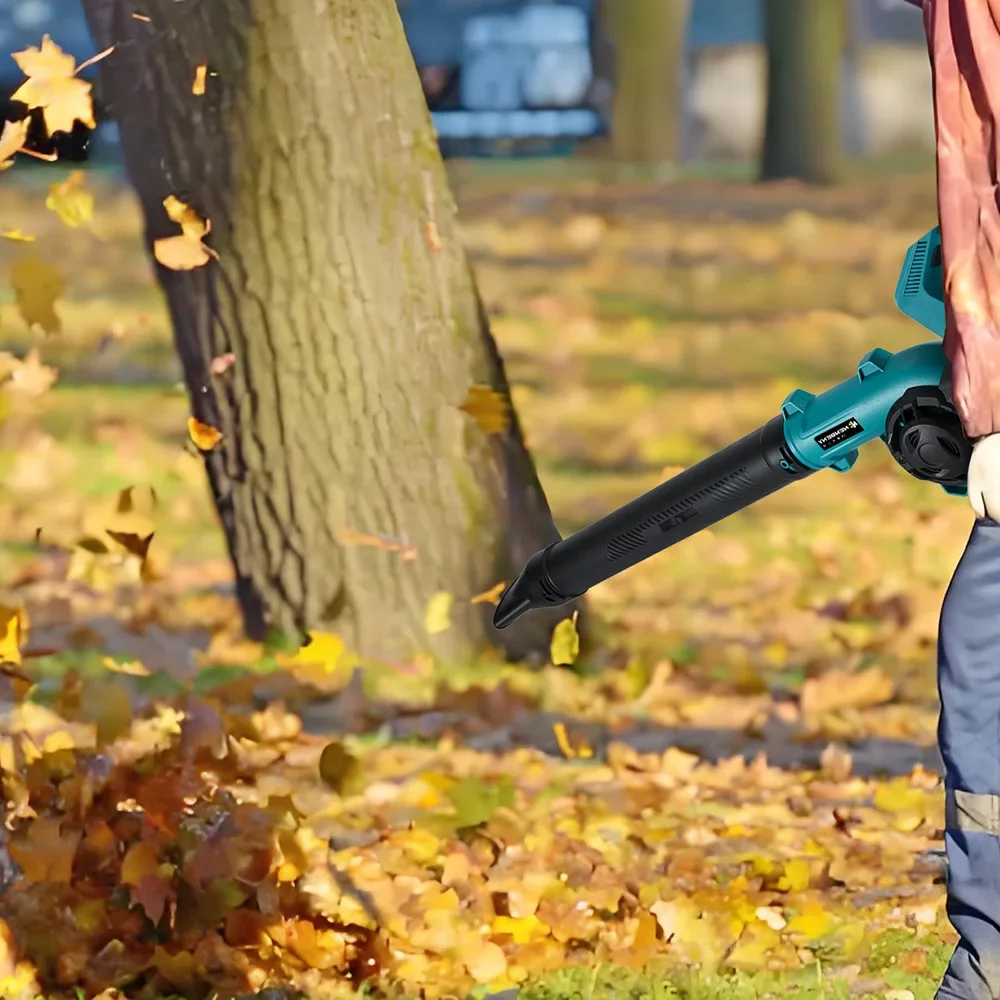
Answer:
(805, 45)
(344, 293)
(649, 38)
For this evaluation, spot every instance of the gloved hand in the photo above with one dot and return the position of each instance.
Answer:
(984, 477)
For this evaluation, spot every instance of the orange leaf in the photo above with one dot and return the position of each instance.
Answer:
(46, 853)
(141, 859)
(358, 538)
(489, 409)
(490, 596)
(198, 87)
(204, 436)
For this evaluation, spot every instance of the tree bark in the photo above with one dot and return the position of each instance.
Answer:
(648, 106)
(343, 291)
(805, 45)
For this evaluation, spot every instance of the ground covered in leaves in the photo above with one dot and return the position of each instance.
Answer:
(736, 793)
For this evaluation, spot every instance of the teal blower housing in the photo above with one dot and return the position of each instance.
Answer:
(903, 399)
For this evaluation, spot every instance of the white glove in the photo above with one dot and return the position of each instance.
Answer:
(984, 477)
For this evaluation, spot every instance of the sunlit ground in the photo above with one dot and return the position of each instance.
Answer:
(644, 327)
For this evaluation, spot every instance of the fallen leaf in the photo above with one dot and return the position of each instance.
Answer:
(46, 852)
(490, 409)
(37, 285)
(198, 87)
(565, 645)
(475, 801)
(840, 689)
(204, 436)
(490, 596)
(71, 201)
(53, 86)
(437, 617)
(485, 961)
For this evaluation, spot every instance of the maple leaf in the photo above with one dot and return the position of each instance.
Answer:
(30, 378)
(204, 436)
(53, 86)
(490, 409)
(46, 852)
(37, 285)
(12, 140)
(71, 201)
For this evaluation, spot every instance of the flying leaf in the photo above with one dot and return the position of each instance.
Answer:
(488, 408)
(437, 617)
(198, 86)
(30, 378)
(15, 235)
(53, 86)
(37, 285)
(431, 236)
(358, 538)
(565, 645)
(133, 668)
(187, 251)
(12, 630)
(204, 436)
(339, 769)
(71, 201)
(140, 17)
(12, 140)
(490, 596)
(223, 363)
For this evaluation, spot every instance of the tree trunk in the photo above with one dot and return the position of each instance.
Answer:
(802, 135)
(343, 291)
(648, 110)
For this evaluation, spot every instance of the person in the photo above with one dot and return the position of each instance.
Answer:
(963, 38)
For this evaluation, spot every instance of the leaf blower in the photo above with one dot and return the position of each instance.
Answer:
(903, 399)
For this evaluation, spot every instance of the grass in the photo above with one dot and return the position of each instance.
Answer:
(638, 341)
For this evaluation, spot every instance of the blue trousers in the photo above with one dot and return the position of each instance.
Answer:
(969, 739)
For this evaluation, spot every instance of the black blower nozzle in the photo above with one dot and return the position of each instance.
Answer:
(722, 484)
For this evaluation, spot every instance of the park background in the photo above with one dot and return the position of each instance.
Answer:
(731, 791)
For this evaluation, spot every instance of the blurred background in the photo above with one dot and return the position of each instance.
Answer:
(507, 77)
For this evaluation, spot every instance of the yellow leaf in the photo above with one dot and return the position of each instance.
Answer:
(53, 86)
(178, 253)
(899, 796)
(37, 285)
(437, 617)
(812, 923)
(185, 252)
(198, 87)
(324, 649)
(71, 201)
(13, 624)
(12, 139)
(15, 235)
(488, 408)
(204, 436)
(141, 859)
(521, 929)
(565, 645)
(490, 596)
(484, 960)
(30, 378)
(132, 668)
(192, 225)
(796, 876)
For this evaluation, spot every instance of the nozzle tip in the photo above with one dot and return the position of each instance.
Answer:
(512, 605)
